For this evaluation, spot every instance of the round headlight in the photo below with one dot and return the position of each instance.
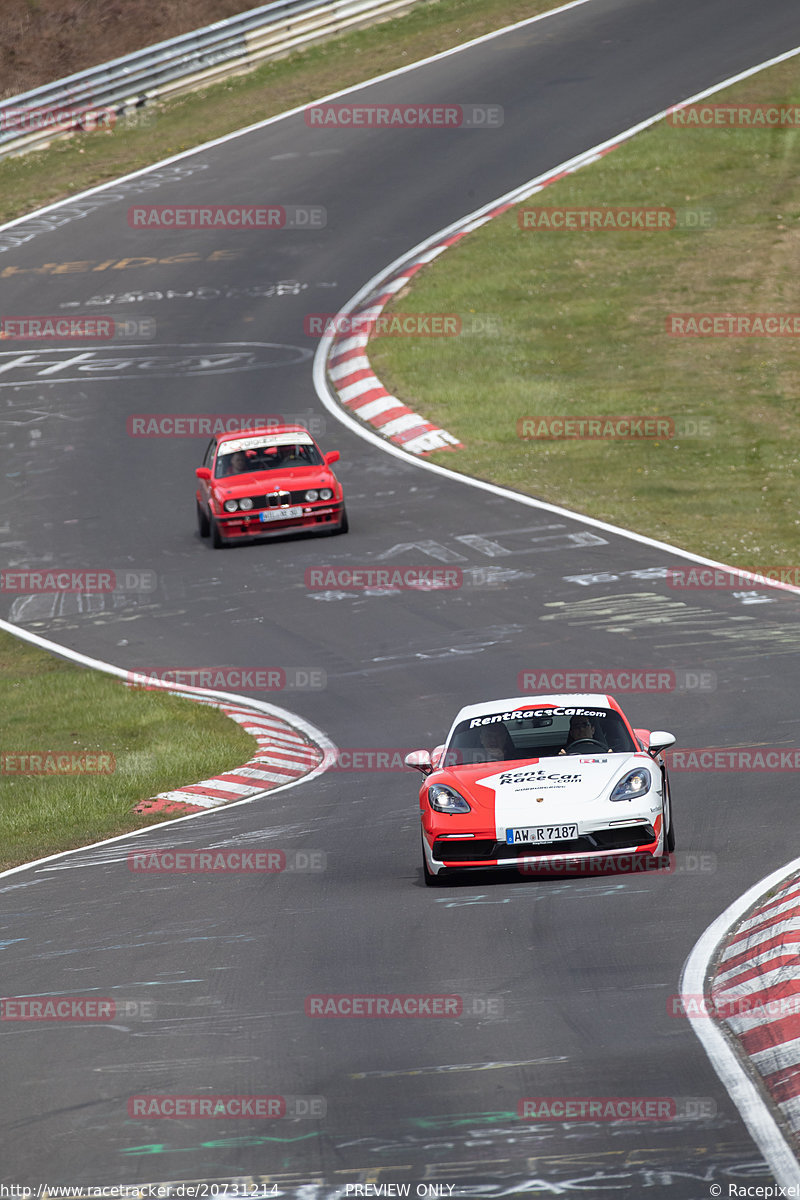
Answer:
(312, 495)
(246, 503)
(231, 505)
(325, 494)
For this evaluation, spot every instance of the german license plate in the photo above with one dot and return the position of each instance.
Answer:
(281, 514)
(538, 835)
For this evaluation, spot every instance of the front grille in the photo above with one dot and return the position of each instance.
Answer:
(625, 837)
(481, 849)
(280, 499)
(473, 850)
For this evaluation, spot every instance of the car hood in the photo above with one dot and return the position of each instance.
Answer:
(257, 483)
(540, 790)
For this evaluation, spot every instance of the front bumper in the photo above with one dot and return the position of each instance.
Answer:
(622, 845)
(247, 526)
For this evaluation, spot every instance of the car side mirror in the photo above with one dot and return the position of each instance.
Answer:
(420, 760)
(203, 472)
(660, 740)
(437, 754)
(331, 457)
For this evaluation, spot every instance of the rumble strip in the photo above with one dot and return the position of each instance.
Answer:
(284, 756)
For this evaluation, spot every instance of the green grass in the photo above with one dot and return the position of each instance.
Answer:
(581, 333)
(86, 160)
(157, 742)
(581, 319)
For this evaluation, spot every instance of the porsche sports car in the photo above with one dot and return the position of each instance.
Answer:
(542, 779)
(259, 483)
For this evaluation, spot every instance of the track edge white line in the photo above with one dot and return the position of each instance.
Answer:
(317, 736)
(740, 1086)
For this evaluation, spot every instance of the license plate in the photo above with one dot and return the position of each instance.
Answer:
(281, 514)
(539, 834)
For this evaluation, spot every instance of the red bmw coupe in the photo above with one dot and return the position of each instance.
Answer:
(259, 483)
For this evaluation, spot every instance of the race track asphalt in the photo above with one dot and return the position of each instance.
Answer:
(569, 979)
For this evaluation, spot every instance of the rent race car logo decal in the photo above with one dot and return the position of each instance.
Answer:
(550, 711)
(513, 777)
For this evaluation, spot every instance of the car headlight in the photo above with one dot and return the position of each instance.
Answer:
(325, 494)
(231, 505)
(312, 495)
(636, 783)
(246, 503)
(445, 799)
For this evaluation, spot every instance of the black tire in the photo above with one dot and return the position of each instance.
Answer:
(202, 520)
(342, 527)
(217, 540)
(669, 837)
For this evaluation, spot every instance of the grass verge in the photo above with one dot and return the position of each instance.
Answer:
(581, 320)
(153, 741)
(86, 160)
(158, 741)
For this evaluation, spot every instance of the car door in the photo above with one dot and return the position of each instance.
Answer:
(205, 484)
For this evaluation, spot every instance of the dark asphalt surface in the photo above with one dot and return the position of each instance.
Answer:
(568, 980)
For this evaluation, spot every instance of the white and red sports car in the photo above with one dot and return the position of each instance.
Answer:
(543, 779)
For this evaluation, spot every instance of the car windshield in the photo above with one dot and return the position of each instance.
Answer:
(538, 733)
(266, 457)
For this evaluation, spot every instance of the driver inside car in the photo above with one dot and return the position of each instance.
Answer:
(582, 729)
(236, 463)
(496, 742)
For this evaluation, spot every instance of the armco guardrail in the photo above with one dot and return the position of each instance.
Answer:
(98, 95)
